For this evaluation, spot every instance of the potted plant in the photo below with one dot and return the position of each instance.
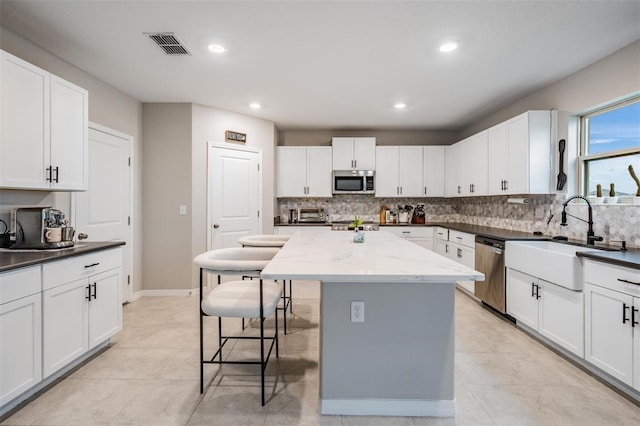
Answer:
(612, 199)
(636, 198)
(358, 235)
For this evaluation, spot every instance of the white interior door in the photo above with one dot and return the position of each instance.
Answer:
(234, 195)
(103, 212)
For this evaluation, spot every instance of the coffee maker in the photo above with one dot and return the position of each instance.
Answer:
(30, 226)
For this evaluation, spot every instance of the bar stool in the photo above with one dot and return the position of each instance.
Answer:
(238, 299)
(270, 240)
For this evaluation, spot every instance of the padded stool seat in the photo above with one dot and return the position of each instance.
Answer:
(265, 240)
(241, 299)
(235, 261)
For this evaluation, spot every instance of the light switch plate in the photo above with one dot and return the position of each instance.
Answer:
(183, 210)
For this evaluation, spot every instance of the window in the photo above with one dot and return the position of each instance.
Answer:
(610, 142)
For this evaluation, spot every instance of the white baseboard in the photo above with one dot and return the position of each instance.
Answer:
(388, 407)
(165, 293)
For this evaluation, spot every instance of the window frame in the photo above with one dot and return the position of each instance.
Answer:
(583, 134)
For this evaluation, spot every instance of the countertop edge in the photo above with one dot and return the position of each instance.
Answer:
(613, 258)
(16, 260)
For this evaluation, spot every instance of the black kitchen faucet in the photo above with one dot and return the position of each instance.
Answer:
(591, 238)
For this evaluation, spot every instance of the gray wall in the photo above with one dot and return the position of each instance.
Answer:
(166, 179)
(305, 137)
(108, 107)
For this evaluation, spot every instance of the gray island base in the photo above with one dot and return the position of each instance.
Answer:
(400, 360)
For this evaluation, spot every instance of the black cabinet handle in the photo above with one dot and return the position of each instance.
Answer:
(92, 265)
(57, 174)
(88, 296)
(533, 293)
(627, 281)
(49, 174)
(459, 253)
(633, 317)
(624, 313)
(95, 290)
(537, 292)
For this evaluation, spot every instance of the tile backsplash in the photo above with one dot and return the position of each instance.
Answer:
(619, 222)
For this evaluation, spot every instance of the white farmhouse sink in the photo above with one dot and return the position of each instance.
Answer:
(553, 262)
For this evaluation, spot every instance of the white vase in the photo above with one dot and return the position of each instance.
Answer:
(611, 200)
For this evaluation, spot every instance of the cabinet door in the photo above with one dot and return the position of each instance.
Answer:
(319, 171)
(364, 153)
(459, 188)
(410, 171)
(561, 313)
(387, 171)
(442, 247)
(69, 135)
(105, 307)
(498, 159)
(342, 149)
(20, 346)
(24, 129)
(521, 301)
(476, 161)
(292, 171)
(433, 158)
(465, 256)
(636, 343)
(65, 326)
(518, 152)
(609, 341)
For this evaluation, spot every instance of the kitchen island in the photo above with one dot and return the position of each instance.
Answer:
(400, 360)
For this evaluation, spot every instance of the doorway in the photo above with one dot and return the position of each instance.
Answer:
(104, 211)
(234, 190)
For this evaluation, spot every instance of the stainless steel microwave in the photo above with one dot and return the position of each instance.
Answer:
(354, 182)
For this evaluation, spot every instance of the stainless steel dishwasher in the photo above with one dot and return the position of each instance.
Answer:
(490, 261)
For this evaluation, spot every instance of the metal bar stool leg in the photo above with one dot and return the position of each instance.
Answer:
(201, 338)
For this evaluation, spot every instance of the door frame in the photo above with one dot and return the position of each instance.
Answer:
(130, 234)
(233, 147)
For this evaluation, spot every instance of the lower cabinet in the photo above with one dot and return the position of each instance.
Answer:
(553, 311)
(78, 316)
(612, 317)
(420, 235)
(20, 332)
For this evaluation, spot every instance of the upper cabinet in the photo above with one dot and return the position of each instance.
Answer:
(520, 154)
(354, 153)
(410, 171)
(44, 129)
(467, 166)
(304, 171)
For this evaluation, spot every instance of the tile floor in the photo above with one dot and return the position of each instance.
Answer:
(149, 376)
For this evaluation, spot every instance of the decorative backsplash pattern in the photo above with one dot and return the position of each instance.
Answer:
(613, 223)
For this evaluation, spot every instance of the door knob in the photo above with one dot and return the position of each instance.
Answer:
(216, 225)
(82, 236)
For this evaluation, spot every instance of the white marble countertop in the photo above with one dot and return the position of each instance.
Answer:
(383, 257)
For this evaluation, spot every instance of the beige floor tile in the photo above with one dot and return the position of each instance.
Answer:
(230, 405)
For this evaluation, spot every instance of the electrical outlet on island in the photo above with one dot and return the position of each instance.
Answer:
(357, 311)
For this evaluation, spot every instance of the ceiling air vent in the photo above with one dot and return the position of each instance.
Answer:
(169, 43)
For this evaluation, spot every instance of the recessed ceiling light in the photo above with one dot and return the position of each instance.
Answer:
(449, 46)
(216, 48)
(400, 105)
(255, 105)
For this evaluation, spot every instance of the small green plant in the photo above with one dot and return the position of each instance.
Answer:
(598, 190)
(357, 222)
(612, 190)
(635, 178)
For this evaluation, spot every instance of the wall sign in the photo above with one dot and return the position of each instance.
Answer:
(232, 136)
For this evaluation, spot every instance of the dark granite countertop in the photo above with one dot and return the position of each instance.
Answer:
(629, 258)
(15, 259)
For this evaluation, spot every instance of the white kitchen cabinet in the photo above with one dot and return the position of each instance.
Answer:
(20, 331)
(304, 171)
(354, 153)
(81, 306)
(433, 175)
(612, 320)
(44, 134)
(466, 256)
(458, 246)
(473, 161)
(420, 235)
(519, 154)
(399, 171)
(553, 311)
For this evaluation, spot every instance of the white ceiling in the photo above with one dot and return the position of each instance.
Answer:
(332, 64)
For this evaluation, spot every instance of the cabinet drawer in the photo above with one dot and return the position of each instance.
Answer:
(442, 233)
(65, 271)
(20, 283)
(465, 239)
(411, 231)
(614, 277)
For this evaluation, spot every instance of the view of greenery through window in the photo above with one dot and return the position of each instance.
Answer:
(611, 142)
